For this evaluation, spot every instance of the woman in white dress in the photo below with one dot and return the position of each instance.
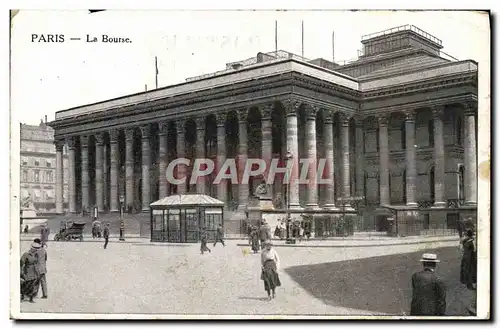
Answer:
(270, 265)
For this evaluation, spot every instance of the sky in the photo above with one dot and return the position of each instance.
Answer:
(49, 77)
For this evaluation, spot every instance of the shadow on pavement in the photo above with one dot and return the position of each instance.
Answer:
(263, 299)
(381, 284)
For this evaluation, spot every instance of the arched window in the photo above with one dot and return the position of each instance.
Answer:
(430, 130)
(432, 185)
(461, 183)
(458, 131)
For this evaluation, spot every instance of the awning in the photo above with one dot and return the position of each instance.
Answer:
(188, 200)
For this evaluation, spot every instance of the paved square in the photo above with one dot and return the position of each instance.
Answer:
(162, 279)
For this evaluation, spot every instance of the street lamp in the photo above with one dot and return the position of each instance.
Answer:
(122, 224)
(288, 157)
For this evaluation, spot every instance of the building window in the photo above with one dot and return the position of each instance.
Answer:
(37, 163)
(49, 177)
(37, 176)
(49, 165)
(25, 163)
(458, 131)
(25, 175)
(461, 183)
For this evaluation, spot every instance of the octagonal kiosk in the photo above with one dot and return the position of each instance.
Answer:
(180, 218)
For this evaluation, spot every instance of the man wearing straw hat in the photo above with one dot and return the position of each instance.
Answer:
(429, 291)
(29, 272)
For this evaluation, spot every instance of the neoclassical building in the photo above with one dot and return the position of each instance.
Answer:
(397, 126)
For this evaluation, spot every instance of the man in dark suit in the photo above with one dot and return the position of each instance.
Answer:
(42, 269)
(220, 235)
(44, 234)
(106, 235)
(429, 291)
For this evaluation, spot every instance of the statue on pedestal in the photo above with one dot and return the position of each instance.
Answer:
(261, 190)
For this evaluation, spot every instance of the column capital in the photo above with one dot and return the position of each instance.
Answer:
(145, 131)
(437, 112)
(383, 119)
(328, 116)
(291, 106)
(71, 143)
(84, 140)
(129, 134)
(311, 111)
(470, 108)
(266, 111)
(99, 138)
(59, 143)
(242, 115)
(359, 121)
(114, 135)
(200, 123)
(180, 126)
(410, 115)
(220, 119)
(163, 128)
(344, 118)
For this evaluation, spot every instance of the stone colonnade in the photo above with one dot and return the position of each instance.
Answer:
(291, 109)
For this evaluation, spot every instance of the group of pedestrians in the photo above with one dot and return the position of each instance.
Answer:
(219, 237)
(259, 234)
(34, 271)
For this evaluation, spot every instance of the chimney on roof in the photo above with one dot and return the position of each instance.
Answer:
(45, 118)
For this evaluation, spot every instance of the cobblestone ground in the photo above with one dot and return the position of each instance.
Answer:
(161, 279)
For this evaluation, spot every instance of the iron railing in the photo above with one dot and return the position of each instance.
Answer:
(403, 28)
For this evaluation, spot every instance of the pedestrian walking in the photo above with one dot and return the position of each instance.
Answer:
(29, 272)
(220, 235)
(270, 265)
(429, 291)
(301, 233)
(42, 270)
(106, 235)
(468, 266)
(26, 229)
(264, 232)
(254, 238)
(204, 240)
(44, 234)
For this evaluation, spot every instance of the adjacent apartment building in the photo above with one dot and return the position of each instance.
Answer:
(38, 169)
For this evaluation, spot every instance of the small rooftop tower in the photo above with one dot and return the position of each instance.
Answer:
(401, 37)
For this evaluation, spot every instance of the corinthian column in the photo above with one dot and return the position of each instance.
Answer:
(59, 176)
(99, 171)
(221, 155)
(470, 155)
(312, 189)
(242, 158)
(163, 154)
(346, 168)
(146, 162)
(201, 186)
(439, 160)
(267, 139)
(84, 145)
(291, 107)
(360, 157)
(383, 152)
(330, 160)
(71, 175)
(114, 135)
(411, 159)
(181, 153)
